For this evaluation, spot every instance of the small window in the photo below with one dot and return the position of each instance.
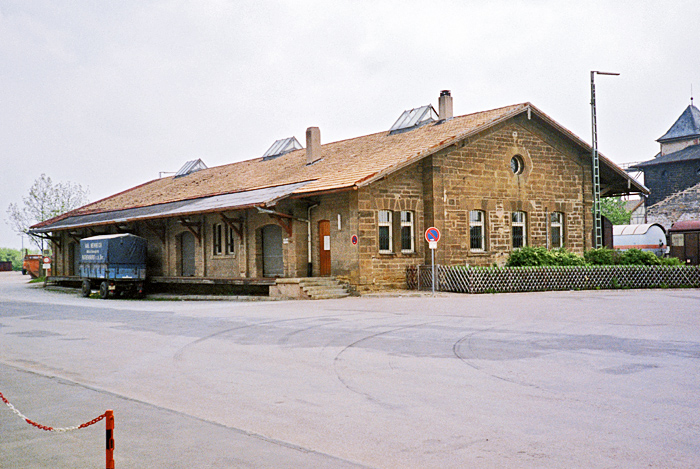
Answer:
(407, 244)
(216, 239)
(230, 246)
(476, 230)
(556, 220)
(517, 165)
(519, 227)
(222, 239)
(385, 232)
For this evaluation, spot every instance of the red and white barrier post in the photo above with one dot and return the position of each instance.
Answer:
(109, 426)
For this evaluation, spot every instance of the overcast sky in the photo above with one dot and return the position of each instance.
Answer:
(108, 94)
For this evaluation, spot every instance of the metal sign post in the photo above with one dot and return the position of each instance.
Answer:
(432, 236)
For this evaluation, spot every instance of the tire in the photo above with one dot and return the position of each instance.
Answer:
(24, 271)
(85, 289)
(104, 290)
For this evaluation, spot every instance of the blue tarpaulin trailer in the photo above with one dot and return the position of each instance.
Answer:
(116, 264)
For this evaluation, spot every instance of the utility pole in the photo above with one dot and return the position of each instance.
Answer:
(595, 167)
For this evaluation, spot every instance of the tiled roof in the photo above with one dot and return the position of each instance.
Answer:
(344, 164)
(687, 125)
(687, 154)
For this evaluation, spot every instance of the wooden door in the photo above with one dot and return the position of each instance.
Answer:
(324, 248)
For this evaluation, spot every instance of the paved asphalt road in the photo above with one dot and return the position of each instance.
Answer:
(566, 379)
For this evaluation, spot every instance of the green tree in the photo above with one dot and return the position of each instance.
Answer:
(13, 255)
(613, 208)
(44, 201)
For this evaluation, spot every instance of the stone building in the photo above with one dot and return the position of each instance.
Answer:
(681, 206)
(357, 209)
(677, 165)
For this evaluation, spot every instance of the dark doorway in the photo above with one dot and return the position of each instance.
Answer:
(324, 247)
(187, 254)
(73, 259)
(273, 260)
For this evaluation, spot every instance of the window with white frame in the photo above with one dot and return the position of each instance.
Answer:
(476, 230)
(385, 235)
(222, 239)
(217, 238)
(519, 229)
(407, 232)
(230, 246)
(556, 229)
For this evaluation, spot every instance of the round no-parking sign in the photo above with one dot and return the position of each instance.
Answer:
(432, 234)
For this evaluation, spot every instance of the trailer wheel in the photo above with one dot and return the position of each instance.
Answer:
(85, 289)
(104, 290)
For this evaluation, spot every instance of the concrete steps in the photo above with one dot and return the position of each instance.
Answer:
(315, 288)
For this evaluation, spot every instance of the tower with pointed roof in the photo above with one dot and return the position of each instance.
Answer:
(677, 165)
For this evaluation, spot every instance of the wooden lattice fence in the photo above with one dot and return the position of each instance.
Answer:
(462, 279)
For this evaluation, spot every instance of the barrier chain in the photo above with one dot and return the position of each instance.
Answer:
(109, 415)
(45, 427)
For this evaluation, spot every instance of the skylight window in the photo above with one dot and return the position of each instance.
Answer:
(191, 167)
(414, 118)
(280, 147)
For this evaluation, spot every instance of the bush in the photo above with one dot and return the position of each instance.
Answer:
(670, 261)
(638, 257)
(538, 256)
(600, 256)
(564, 257)
(530, 257)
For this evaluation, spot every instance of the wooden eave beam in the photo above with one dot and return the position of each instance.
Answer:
(231, 222)
(54, 239)
(191, 227)
(160, 233)
(284, 222)
(74, 237)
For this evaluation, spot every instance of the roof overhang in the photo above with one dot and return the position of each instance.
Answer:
(265, 197)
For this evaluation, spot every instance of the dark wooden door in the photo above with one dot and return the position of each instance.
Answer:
(273, 258)
(692, 248)
(324, 248)
(187, 254)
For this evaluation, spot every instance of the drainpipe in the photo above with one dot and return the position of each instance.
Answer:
(309, 266)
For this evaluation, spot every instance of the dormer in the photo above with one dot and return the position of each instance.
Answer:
(191, 167)
(281, 147)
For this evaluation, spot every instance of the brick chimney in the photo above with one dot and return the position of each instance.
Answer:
(445, 105)
(313, 145)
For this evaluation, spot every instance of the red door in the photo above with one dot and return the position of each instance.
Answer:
(324, 248)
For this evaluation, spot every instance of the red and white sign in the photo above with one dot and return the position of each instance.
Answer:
(432, 234)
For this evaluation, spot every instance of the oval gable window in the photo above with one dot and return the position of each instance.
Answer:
(516, 164)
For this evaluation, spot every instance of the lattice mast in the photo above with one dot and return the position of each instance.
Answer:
(595, 167)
